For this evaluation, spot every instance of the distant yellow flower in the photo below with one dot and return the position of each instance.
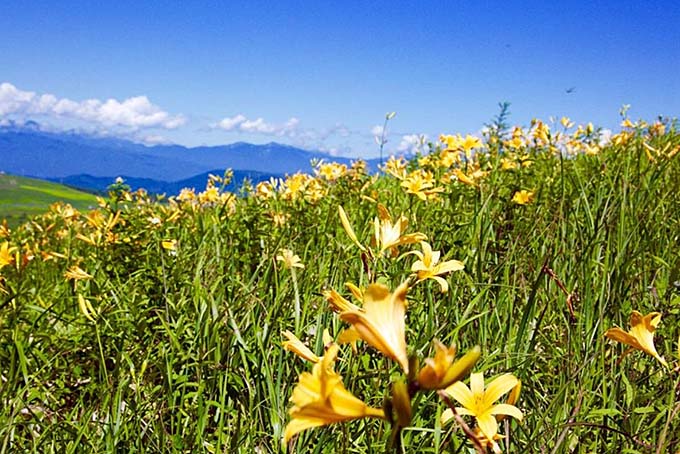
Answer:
(465, 179)
(320, 398)
(210, 195)
(478, 402)
(4, 229)
(428, 267)
(523, 197)
(76, 273)
(381, 321)
(387, 235)
(295, 185)
(441, 371)
(279, 219)
(396, 167)
(331, 171)
(186, 195)
(169, 245)
(641, 334)
(289, 259)
(566, 123)
(421, 184)
(265, 190)
(541, 132)
(6, 257)
(470, 143)
(448, 158)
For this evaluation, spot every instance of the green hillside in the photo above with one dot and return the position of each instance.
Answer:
(21, 197)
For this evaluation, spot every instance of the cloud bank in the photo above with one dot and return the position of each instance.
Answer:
(258, 126)
(132, 113)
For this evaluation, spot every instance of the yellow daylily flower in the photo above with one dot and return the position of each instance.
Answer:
(641, 334)
(441, 371)
(290, 259)
(463, 178)
(76, 273)
(523, 197)
(428, 267)
(389, 234)
(169, 245)
(381, 321)
(6, 257)
(478, 402)
(4, 229)
(320, 398)
(421, 184)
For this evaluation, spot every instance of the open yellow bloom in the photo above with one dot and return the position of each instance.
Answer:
(381, 321)
(641, 334)
(478, 402)
(289, 259)
(523, 197)
(421, 184)
(6, 257)
(320, 398)
(389, 234)
(428, 267)
(441, 371)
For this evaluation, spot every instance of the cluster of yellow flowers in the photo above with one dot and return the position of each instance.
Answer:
(320, 397)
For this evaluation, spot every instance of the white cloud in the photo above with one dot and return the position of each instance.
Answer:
(241, 123)
(134, 113)
(377, 131)
(229, 124)
(412, 143)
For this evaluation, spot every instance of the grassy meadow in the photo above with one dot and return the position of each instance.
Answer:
(22, 198)
(156, 325)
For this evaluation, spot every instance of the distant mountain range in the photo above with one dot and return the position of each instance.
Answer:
(93, 163)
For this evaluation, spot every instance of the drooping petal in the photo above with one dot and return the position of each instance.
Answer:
(622, 336)
(443, 284)
(299, 424)
(508, 410)
(487, 424)
(296, 346)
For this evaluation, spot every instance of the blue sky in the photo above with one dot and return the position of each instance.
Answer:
(323, 74)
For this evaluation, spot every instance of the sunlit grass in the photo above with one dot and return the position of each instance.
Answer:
(171, 341)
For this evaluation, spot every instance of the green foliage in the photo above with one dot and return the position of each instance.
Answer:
(180, 347)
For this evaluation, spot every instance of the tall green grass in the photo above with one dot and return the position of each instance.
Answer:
(185, 351)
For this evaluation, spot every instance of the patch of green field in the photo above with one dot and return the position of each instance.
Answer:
(21, 197)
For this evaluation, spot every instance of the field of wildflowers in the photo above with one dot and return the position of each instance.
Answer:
(518, 292)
